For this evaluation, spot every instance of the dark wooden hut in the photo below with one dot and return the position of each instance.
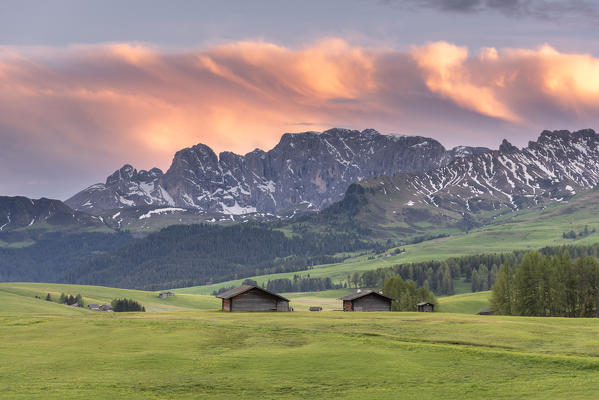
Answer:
(426, 307)
(485, 311)
(252, 298)
(368, 300)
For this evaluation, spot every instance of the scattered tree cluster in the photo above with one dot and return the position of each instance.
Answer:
(584, 233)
(406, 294)
(126, 305)
(69, 299)
(550, 285)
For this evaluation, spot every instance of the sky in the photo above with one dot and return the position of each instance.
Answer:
(87, 86)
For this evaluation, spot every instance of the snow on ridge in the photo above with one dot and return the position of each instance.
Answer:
(160, 211)
(8, 217)
(236, 209)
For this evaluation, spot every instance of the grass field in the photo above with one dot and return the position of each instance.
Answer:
(51, 351)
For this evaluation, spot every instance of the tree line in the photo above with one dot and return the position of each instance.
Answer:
(548, 285)
(302, 284)
(480, 270)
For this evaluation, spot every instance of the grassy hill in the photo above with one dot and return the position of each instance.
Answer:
(52, 351)
(467, 303)
(16, 294)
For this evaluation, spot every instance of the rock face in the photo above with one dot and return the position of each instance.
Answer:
(553, 168)
(22, 212)
(307, 167)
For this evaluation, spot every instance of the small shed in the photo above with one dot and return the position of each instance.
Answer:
(426, 307)
(105, 307)
(252, 298)
(485, 311)
(93, 306)
(368, 300)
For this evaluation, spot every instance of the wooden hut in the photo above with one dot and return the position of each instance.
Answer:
(252, 298)
(426, 307)
(368, 300)
(485, 311)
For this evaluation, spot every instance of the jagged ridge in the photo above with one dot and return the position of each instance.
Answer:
(553, 168)
(306, 167)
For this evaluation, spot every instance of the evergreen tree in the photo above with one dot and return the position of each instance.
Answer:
(501, 296)
(475, 284)
(483, 278)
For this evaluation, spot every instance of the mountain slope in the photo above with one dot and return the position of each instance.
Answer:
(21, 212)
(306, 167)
(552, 169)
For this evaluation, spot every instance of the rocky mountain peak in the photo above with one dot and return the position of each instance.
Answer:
(308, 167)
(507, 147)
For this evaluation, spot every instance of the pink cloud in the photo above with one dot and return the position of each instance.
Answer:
(100, 106)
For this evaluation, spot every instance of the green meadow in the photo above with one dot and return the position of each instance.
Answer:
(52, 351)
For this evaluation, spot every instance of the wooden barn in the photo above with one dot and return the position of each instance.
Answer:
(368, 300)
(485, 311)
(426, 307)
(252, 298)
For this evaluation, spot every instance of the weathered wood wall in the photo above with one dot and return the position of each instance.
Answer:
(256, 300)
(282, 305)
(372, 302)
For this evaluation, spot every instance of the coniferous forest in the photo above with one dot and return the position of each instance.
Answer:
(548, 285)
(190, 255)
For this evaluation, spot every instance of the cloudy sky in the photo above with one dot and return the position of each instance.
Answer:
(87, 86)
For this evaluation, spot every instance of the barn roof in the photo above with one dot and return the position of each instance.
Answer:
(357, 295)
(245, 288)
(424, 303)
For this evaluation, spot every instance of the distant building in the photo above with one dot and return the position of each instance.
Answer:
(252, 298)
(426, 307)
(369, 300)
(93, 306)
(316, 308)
(485, 311)
(105, 307)
(164, 295)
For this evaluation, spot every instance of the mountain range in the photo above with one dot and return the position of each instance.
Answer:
(551, 169)
(311, 168)
(435, 193)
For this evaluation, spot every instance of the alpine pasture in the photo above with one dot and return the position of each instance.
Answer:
(192, 350)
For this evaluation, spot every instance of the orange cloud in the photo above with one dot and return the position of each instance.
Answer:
(103, 105)
(446, 73)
